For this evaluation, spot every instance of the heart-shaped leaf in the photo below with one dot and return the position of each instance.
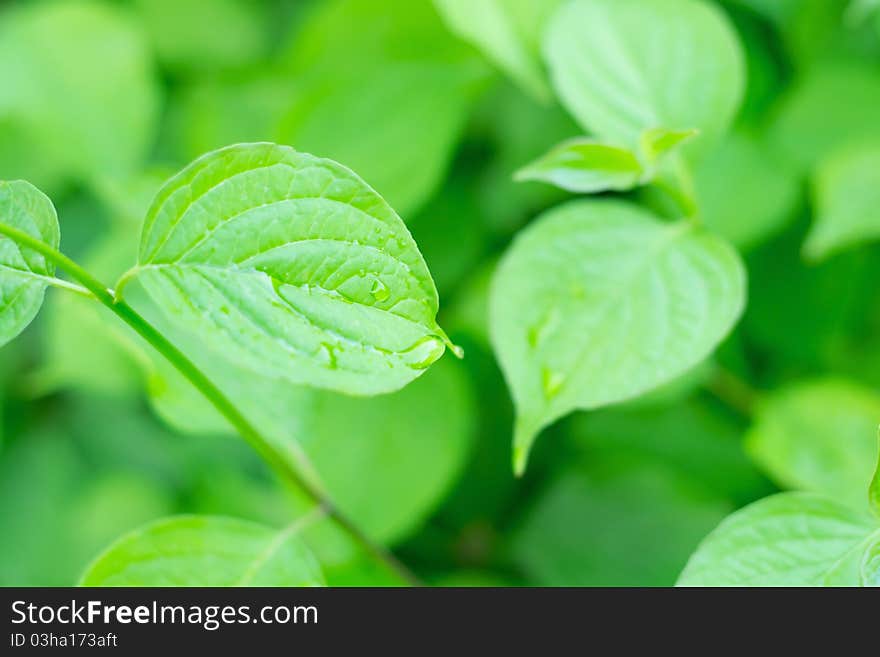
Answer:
(293, 266)
(625, 66)
(599, 301)
(24, 274)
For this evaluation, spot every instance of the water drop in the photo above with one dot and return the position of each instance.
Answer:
(380, 291)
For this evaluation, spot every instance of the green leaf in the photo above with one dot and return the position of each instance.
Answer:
(84, 346)
(657, 143)
(791, 539)
(508, 32)
(387, 462)
(870, 567)
(79, 94)
(292, 266)
(819, 436)
(590, 528)
(206, 551)
(598, 302)
(846, 191)
(253, 109)
(194, 35)
(745, 192)
(24, 273)
(585, 166)
(690, 437)
(874, 489)
(401, 148)
(624, 66)
(830, 107)
(404, 84)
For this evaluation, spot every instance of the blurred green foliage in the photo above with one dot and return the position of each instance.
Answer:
(101, 99)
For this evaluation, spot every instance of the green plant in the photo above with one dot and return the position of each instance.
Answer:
(653, 225)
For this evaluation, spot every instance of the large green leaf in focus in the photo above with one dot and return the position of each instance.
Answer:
(24, 273)
(78, 97)
(596, 529)
(292, 266)
(846, 192)
(508, 31)
(819, 436)
(598, 302)
(791, 539)
(206, 551)
(625, 66)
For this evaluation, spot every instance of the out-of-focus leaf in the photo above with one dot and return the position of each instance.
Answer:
(403, 84)
(688, 437)
(111, 504)
(23, 272)
(598, 302)
(388, 461)
(194, 36)
(819, 436)
(451, 233)
(585, 166)
(847, 201)
(508, 31)
(519, 129)
(791, 539)
(85, 345)
(253, 109)
(830, 107)
(592, 529)
(402, 121)
(78, 92)
(206, 551)
(624, 66)
(745, 194)
(45, 470)
(292, 266)
(874, 490)
(469, 312)
(826, 302)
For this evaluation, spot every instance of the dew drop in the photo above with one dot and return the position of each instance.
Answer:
(380, 291)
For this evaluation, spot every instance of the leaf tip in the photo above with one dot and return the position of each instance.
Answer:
(523, 439)
(457, 350)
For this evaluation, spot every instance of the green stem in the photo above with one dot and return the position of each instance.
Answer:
(733, 391)
(216, 396)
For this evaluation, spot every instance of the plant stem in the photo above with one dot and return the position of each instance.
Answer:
(733, 391)
(216, 396)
